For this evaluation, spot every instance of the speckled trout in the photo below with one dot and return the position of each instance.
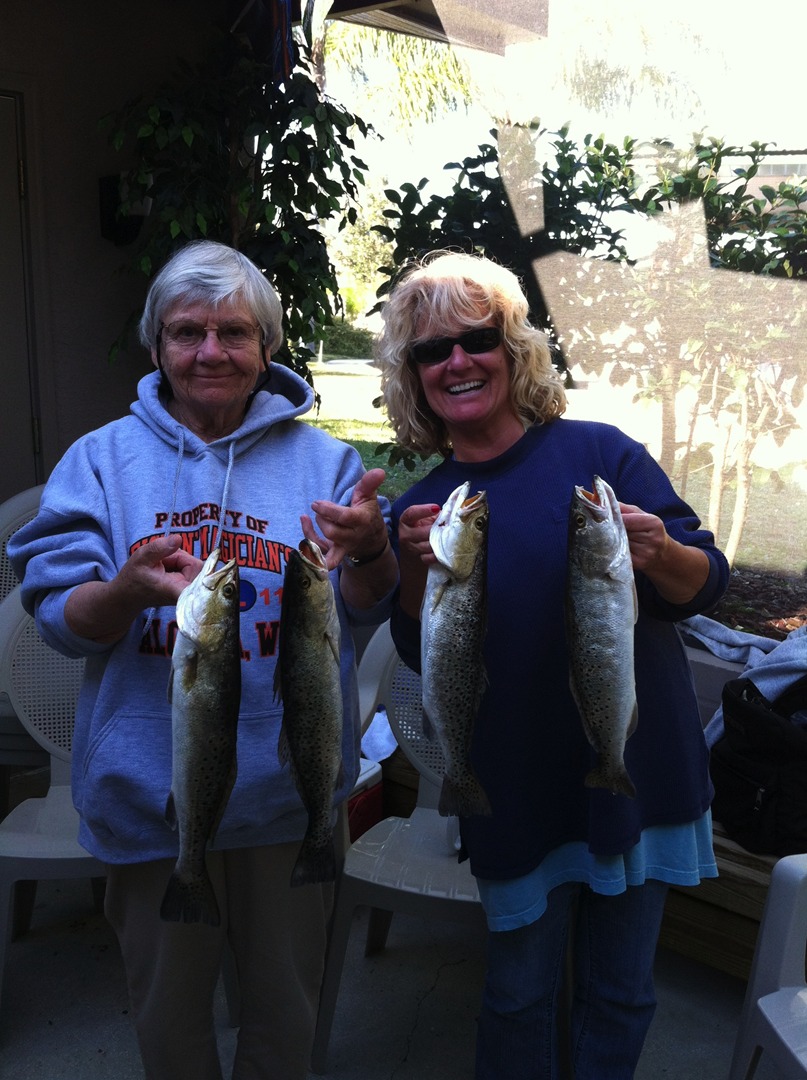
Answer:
(205, 695)
(601, 609)
(452, 633)
(307, 681)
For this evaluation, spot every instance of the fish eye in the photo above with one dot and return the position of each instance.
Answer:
(229, 590)
(580, 520)
(479, 524)
(306, 583)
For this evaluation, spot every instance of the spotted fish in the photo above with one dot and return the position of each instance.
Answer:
(601, 609)
(453, 624)
(205, 695)
(307, 681)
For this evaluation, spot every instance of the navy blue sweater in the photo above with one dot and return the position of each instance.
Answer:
(529, 747)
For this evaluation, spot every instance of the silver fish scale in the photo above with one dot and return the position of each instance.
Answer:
(308, 680)
(205, 694)
(453, 626)
(600, 614)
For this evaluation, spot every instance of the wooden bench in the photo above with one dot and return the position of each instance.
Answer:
(717, 921)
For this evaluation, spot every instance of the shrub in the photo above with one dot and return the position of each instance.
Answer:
(342, 338)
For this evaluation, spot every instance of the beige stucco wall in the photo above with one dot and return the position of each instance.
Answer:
(73, 62)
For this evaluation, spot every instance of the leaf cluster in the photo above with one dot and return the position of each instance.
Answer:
(224, 152)
(763, 233)
(571, 197)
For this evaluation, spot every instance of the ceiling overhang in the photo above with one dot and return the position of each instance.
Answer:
(489, 25)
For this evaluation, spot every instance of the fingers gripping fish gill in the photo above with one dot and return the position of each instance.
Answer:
(307, 681)
(453, 624)
(601, 609)
(205, 695)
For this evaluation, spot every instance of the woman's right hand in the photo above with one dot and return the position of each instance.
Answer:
(415, 554)
(414, 526)
(153, 575)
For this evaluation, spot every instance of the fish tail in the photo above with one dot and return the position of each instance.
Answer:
(616, 781)
(463, 800)
(190, 900)
(315, 864)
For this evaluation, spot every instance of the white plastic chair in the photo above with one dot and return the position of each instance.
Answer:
(14, 513)
(774, 1016)
(17, 748)
(38, 838)
(406, 865)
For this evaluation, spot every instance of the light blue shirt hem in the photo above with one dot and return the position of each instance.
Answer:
(676, 854)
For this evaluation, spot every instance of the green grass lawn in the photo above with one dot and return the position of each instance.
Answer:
(366, 438)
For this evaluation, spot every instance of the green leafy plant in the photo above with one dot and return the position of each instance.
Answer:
(572, 195)
(342, 338)
(223, 152)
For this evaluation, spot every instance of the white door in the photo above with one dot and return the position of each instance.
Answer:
(18, 433)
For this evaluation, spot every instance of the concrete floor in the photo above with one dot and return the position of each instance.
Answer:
(406, 1014)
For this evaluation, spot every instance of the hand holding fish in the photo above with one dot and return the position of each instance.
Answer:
(154, 574)
(413, 532)
(415, 553)
(677, 571)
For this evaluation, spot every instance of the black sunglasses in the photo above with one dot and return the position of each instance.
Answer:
(438, 349)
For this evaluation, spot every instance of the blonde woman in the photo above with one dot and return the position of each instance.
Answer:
(464, 374)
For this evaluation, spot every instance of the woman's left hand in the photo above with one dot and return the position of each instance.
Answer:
(647, 537)
(357, 530)
(678, 571)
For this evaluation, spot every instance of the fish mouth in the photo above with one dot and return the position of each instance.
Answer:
(469, 505)
(454, 516)
(312, 554)
(601, 503)
(460, 505)
(453, 505)
(210, 575)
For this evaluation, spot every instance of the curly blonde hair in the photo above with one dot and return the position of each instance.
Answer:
(443, 290)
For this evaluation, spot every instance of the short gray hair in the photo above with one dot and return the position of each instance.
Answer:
(205, 271)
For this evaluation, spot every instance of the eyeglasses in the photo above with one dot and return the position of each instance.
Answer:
(438, 349)
(190, 335)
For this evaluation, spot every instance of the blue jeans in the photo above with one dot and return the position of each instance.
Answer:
(534, 1026)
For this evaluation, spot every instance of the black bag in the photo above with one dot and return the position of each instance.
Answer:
(759, 768)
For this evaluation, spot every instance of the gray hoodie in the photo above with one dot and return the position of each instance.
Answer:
(143, 476)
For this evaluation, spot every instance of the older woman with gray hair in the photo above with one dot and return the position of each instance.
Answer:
(464, 374)
(213, 455)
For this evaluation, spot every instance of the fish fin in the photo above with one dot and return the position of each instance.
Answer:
(333, 641)
(171, 811)
(314, 864)
(635, 603)
(467, 801)
(189, 670)
(618, 783)
(283, 749)
(277, 684)
(190, 900)
(427, 726)
(440, 593)
(634, 721)
(169, 690)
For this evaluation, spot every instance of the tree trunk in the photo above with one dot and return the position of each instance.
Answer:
(743, 474)
(668, 425)
(719, 454)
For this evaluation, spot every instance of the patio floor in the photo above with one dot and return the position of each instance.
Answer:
(406, 1014)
